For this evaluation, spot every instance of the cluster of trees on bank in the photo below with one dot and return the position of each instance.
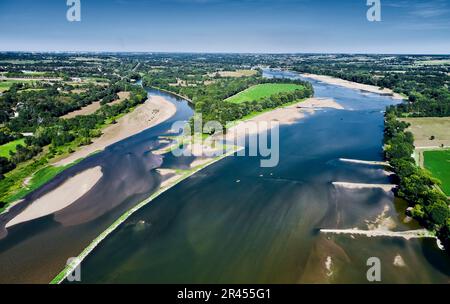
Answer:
(223, 112)
(427, 203)
(210, 100)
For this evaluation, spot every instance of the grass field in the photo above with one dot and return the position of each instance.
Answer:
(433, 62)
(438, 163)
(5, 85)
(425, 128)
(260, 91)
(11, 146)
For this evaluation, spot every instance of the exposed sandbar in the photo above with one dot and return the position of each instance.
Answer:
(153, 112)
(385, 187)
(411, 234)
(354, 85)
(61, 197)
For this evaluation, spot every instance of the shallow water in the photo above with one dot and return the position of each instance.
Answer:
(265, 228)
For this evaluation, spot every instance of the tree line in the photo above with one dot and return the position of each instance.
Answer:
(428, 205)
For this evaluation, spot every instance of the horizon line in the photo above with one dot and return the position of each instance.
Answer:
(221, 53)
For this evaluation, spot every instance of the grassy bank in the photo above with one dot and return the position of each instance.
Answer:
(265, 90)
(10, 147)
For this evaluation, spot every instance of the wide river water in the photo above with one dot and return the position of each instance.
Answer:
(212, 229)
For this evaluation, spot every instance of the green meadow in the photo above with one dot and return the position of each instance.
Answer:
(438, 163)
(11, 146)
(5, 85)
(261, 91)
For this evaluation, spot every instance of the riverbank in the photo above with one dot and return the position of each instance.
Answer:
(153, 112)
(173, 93)
(354, 85)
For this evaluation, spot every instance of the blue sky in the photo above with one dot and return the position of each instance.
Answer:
(263, 26)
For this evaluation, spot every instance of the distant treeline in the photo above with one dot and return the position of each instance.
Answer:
(427, 204)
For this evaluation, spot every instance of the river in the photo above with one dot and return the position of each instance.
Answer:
(212, 229)
(265, 228)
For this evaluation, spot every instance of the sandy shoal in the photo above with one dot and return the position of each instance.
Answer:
(354, 85)
(60, 198)
(283, 115)
(153, 112)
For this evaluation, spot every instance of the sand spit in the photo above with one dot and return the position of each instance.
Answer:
(282, 116)
(60, 198)
(153, 112)
(364, 162)
(410, 234)
(385, 187)
(354, 85)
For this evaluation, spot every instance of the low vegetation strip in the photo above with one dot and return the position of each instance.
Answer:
(262, 91)
(438, 163)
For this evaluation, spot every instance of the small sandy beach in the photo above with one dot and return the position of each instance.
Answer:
(284, 115)
(354, 85)
(60, 198)
(153, 112)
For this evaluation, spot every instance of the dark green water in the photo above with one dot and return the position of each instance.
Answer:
(264, 229)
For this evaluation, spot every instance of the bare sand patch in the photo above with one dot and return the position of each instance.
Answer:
(410, 234)
(234, 74)
(398, 261)
(93, 107)
(60, 198)
(87, 110)
(153, 112)
(200, 162)
(385, 187)
(283, 115)
(354, 85)
(364, 162)
(170, 176)
(78, 91)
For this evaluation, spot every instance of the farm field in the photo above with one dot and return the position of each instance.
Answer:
(5, 85)
(260, 91)
(438, 163)
(237, 74)
(430, 131)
